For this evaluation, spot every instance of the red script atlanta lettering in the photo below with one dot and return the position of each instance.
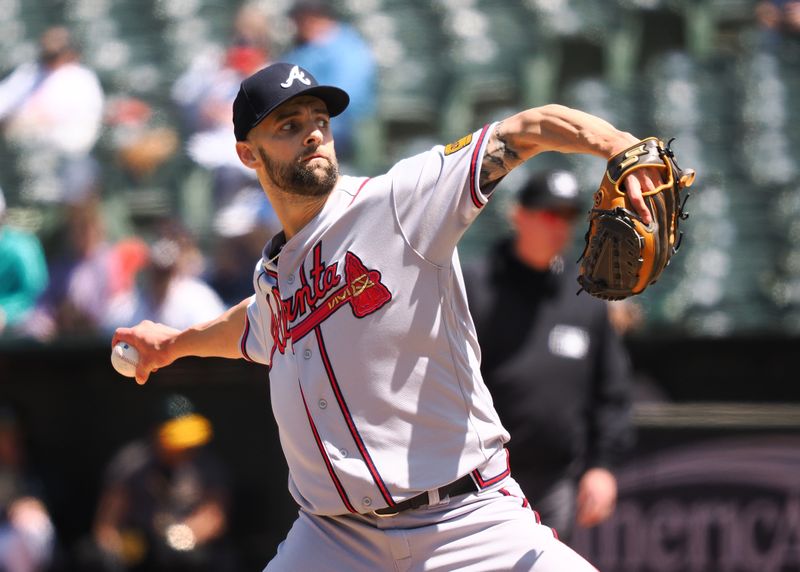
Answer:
(362, 291)
(323, 280)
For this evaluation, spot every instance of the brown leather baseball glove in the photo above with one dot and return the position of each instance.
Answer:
(622, 255)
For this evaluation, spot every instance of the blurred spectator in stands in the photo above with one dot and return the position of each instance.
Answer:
(54, 107)
(779, 19)
(141, 143)
(337, 55)
(84, 275)
(242, 229)
(27, 535)
(168, 289)
(558, 373)
(23, 272)
(164, 505)
(205, 93)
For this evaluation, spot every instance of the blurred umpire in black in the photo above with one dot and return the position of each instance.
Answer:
(557, 370)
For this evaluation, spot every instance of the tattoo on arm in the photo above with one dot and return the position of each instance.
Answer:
(499, 158)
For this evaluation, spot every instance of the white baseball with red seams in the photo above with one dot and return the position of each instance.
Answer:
(124, 358)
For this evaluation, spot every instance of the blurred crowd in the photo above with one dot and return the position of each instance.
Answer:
(109, 252)
(164, 501)
(109, 248)
(118, 235)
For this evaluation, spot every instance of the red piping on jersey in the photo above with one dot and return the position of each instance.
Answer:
(525, 502)
(336, 482)
(246, 334)
(349, 419)
(473, 191)
(243, 343)
(476, 474)
(340, 398)
(358, 191)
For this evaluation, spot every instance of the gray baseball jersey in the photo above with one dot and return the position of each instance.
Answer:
(374, 362)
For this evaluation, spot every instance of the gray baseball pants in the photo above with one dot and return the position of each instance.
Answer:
(491, 531)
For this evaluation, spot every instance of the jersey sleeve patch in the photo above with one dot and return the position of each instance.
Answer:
(458, 145)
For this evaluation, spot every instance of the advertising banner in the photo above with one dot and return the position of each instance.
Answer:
(723, 505)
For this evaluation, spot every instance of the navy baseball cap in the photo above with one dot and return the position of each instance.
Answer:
(554, 189)
(268, 88)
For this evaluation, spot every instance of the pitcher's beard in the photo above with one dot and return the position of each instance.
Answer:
(300, 178)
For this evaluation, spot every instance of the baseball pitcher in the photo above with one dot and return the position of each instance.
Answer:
(396, 456)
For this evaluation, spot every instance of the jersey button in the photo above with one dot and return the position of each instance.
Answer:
(343, 452)
(290, 279)
(322, 404)
(307, 354)
(366, 501)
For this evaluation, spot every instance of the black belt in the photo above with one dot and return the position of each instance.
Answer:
(462, 486)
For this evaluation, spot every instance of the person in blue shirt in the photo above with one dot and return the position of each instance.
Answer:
(336, 54)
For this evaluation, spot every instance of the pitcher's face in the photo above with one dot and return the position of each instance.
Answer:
(294, 148)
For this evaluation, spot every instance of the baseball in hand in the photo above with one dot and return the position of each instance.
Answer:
(124, 358)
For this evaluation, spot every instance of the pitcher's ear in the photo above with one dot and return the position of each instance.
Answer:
(246, 155)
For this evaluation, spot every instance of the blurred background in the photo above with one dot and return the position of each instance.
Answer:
(122, 199)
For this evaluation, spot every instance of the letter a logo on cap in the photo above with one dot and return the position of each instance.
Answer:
(298, 75)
